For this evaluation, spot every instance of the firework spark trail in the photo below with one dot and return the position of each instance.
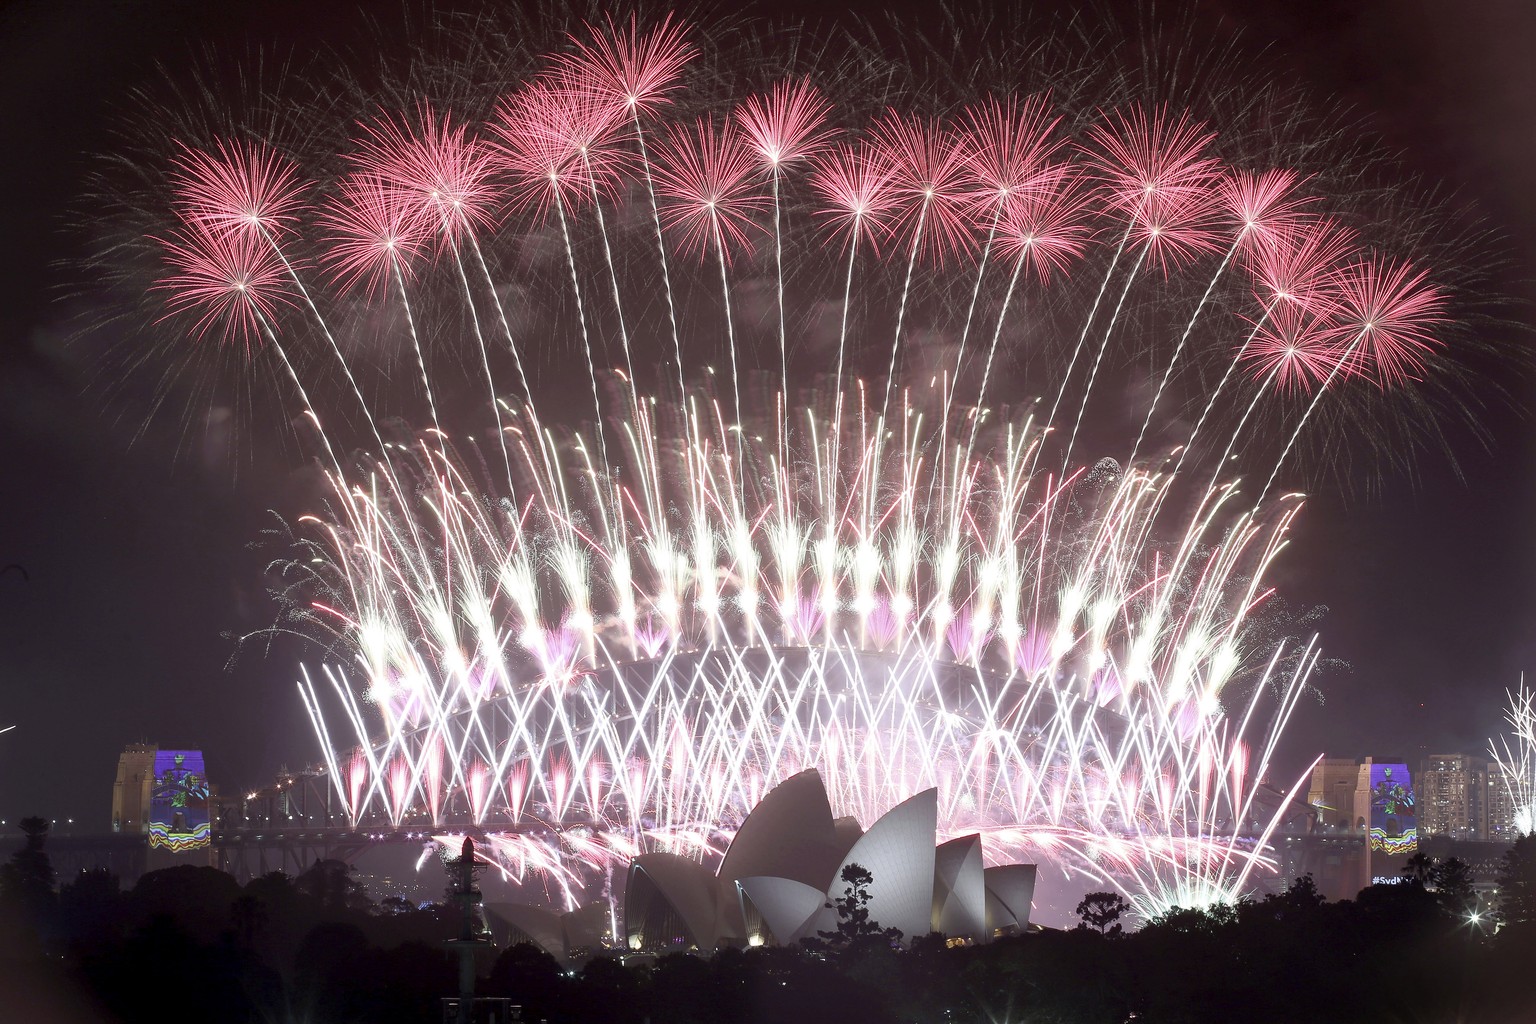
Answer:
(228, 281)
(1391, 311)
(368, 231)
(970, 311)
(1093, 372)
(1045, 230)
(853, 185)
(1515, 755)
(783, 127)
(449, 177)
(761, 686)
(661, 252)
(1295, 274)
(634, 73)
(421, 362)
(501, 316)
(928, 165)
(622, 649)
(1093, 312)
(1008, 163)
(1221, 385)
(613, 276)
(581, 316)
(543, 131)
(247, 192)
(707, 182)
(1179, 348)
(901, 309)
(1150, 167)
(1266, 216)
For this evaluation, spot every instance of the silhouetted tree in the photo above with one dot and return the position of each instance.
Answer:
(1301, 898)
(409, 982)
(854, 926)
(607, 992)
(1517, 883)
(1418, 868)
(1102, 911)
(27, 899)
(1452, 881)
(530, 977)
(332, 976)
(197, 897)
(682, 991)
(330, 884)
(789, 986)
(395, 905)
(91, 907)
(249, 916)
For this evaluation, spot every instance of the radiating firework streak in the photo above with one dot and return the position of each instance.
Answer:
(621, 649)
(1019, 642)
(1515, 754)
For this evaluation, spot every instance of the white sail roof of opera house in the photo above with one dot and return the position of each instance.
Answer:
(789, 911)
(789, 834)
(960, 889)
(512, 923)
(567, 936)
(1010, 894)
(898, 853)
(671, 901)
(782, 871)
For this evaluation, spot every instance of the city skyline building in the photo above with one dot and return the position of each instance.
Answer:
(1502, 809)
(1453, 796)
(1464, 796)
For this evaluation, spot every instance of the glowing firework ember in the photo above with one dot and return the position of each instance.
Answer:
(588, 642)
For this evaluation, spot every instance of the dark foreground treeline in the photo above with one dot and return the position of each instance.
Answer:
(191, 944)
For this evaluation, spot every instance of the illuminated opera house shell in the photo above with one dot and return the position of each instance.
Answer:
(784, 867)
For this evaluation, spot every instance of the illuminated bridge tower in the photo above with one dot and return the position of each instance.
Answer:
(130, 793)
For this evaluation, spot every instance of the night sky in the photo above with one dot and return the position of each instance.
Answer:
(138, 561)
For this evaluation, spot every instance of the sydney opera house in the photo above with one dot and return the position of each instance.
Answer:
(781, 872)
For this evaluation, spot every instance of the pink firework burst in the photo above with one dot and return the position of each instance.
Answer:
(447, 176)
(630, 70)
(1266, 208)
(239, 188)
(370, 230)
(928, 180)
(858, 201)
(1010, 142)
(1151, 168)
(786, 125)
(1295, 347)
(559, 143)
(233, 282)
(1147, 160)
(1177, 231)
(1300, 268)
(1388, 313)
(1045, 225)
(705, 184)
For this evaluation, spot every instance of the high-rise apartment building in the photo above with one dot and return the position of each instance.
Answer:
(1501, 807)
(1453, 796)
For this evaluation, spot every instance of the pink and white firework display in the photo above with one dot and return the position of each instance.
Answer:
(587, 641)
